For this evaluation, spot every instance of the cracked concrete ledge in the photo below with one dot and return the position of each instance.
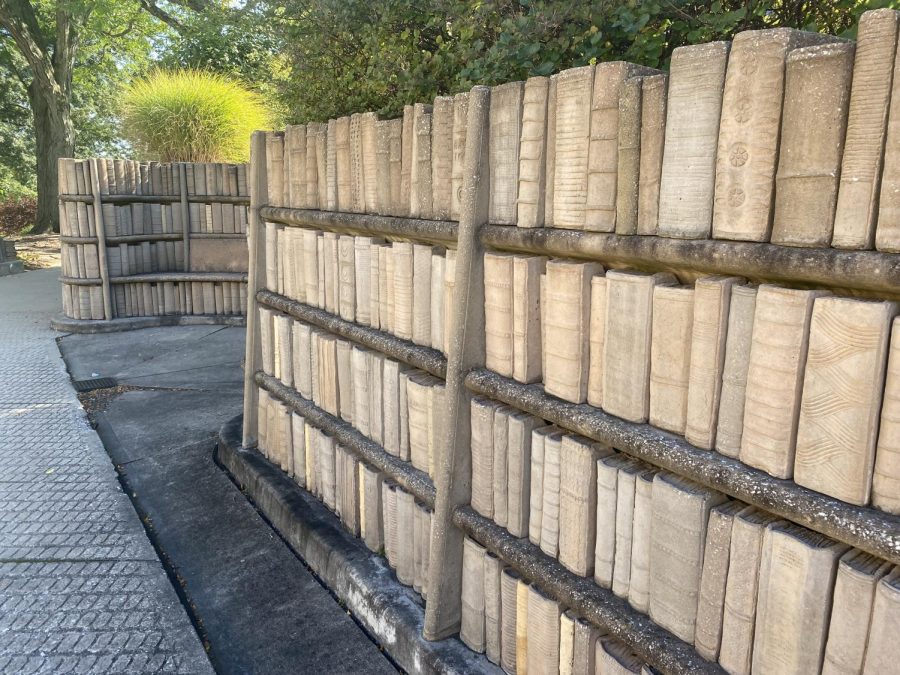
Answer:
(66, 325)
(391, 612)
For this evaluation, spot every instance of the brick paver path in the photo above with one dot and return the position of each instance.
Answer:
(81, 588)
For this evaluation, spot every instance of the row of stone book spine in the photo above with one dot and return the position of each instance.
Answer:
(82, 302)
(518, 627)
(218, 218)
(664, 544)
(370, 506)
(76, 219)
(144, 258)
(163, 298)
(80, 261)
(130, 177)
(399, 287)
(398, 407)
(781, 135)
(799, 383)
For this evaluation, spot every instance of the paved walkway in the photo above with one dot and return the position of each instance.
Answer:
(81, 588)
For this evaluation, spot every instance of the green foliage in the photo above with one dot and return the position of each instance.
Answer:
(192, 116)
(352, 55)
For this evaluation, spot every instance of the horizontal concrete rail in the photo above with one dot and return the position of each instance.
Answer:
(425, 358)
(132, 238)
(869, 273)
(159, 277)
(81, 281)
(868, 529)
(598, 605)
(442, 232)
(403, 473)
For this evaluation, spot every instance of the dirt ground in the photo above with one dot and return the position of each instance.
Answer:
(37, 251)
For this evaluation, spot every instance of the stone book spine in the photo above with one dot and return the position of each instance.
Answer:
(578, 504)
(376, 409)
(614, 657)
(867, 122)
(382, 179)
(518, 472)
(571, 145)
(625, 499)
(532, 153)
(713, 579)
(441, 157)
(360, 366)
(436, 300)
(543, 633)
(460, 121)
(295, 165)
(389, 506)
(536, 488)
(583, 654)
(550, 495)
(883, 651)
(629, 160)
(509, 582)
(775, 378)
(402, 256)
(405, 543)
(857, 578)
(492, 608)
(607, 479)
(499, 470)
(626, 344)
(347, 277)
(886, 479)
(653, 137)
(371, 528)
(696, 82)
(842, 392)
(498, 312)
(362, 256)
(331, 189)
(357, 168)
(406, 163)
(503, 150)
(566, 320)
(597, 327)
(314, 132)
(482, 415)
(749, 131)
(680, 516)
(471, 630)
(395, 161)
(712, 298)
(550, 152)
(526, 317)
(417, 401)
(639, 583)
(730, 423)
(670, 356)
(887, 233)
(421, 292)
(311, 267)
(420, 186)
(344, 165)
(566, 642)
(796, 582)
(816, 100)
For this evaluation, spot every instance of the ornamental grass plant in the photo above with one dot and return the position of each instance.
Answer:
(192, 116)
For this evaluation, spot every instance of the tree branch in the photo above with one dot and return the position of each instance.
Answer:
(153, 9)
(18, 17)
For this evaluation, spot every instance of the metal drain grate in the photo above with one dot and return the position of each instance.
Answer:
(82, 386)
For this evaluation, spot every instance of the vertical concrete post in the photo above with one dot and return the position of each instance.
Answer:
(185, 216)
(256, 242)
(453, 479)
(101, 241)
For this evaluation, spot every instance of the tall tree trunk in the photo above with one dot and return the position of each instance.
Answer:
(54, 138)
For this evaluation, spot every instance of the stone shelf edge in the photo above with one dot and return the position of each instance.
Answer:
(217, 235)
(442, 232)
(67, 239)
(871, 530)
(403, 473)
(598, 605)
(81, 281)
(871, 273)
(425, 358)
(131, 238)
(157, 277)
(156, 199)
(121, 324)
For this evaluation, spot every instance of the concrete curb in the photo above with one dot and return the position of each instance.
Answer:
(66, 325)
(9, 267)
(391, 612)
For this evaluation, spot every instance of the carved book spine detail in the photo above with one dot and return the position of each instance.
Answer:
(670, 356)
(357, 176)
(498, 312)
(550, 152)
(344, 164)
(730, 424)
(653, 137)
(505, 133)
(629, 162)
(639, 586)
(482, 444)
(441, 156)
(577, 504)
(460, 120)
(571, 145)
(526, 317)
(883, 651)
(532, 153)
(420, 185)
(471, 630)
(543, 633)
(597, 326)
(886, 481)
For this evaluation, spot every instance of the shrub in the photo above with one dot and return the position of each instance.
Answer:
(192, 116)
(17, 214)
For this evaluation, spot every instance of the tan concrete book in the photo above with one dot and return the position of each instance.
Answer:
(680, 517)
(522, 593)
(298, 447)
(532, 153)
(713, 579)
(420, 185)
(629, 161)
(775, 378)
(449, 285)
(267, 340)
(386, 288)
(345, 196)
(814, 120)
(625, 502)
(346, 403)
(460, 122)
(331, 190)
(390, 398)
(583, 649)
(376, 388)
(472, 622)
(361, 399)
(886, 480)
(605, 531)
(571, 144)
(566, 642)
(518, 472)
(626, 342)
(741, 589)
(748, 131)
(438, 270)
(566, 320)
(615, 658)
(498, 312)
(375, 283)
(330, 263)
(421, 294)
(543, 633)
(310, 268)
(500, 448)
(550, 495)
(597, 326)
(357, 164)
(284, 341)
(347, 277)
(329, 396)
(402, 306)
(312, 439)
(536, 506)
(350, 492)
(437, 424)
(370, 523)
(362, 282)
(422, 547)
(654, 89)
(389, 521)
(687, 183)
(796, 581)
(383, 130)
(404, 414)
(730, 423)
(858, 575)
(867, 122)
(712, 299)
(639, 582)
(482, 414)
(887, 233)
(883, 650)
(577, 502)
(505, 133)
(509, 582)
(402, 208)
(417, 401)
(492, 607)
(321, 271)
(316, 169)
(406, 509)
(526, 317)
(670, 356)
(842, 393)
(441, 156)
(325, 463)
